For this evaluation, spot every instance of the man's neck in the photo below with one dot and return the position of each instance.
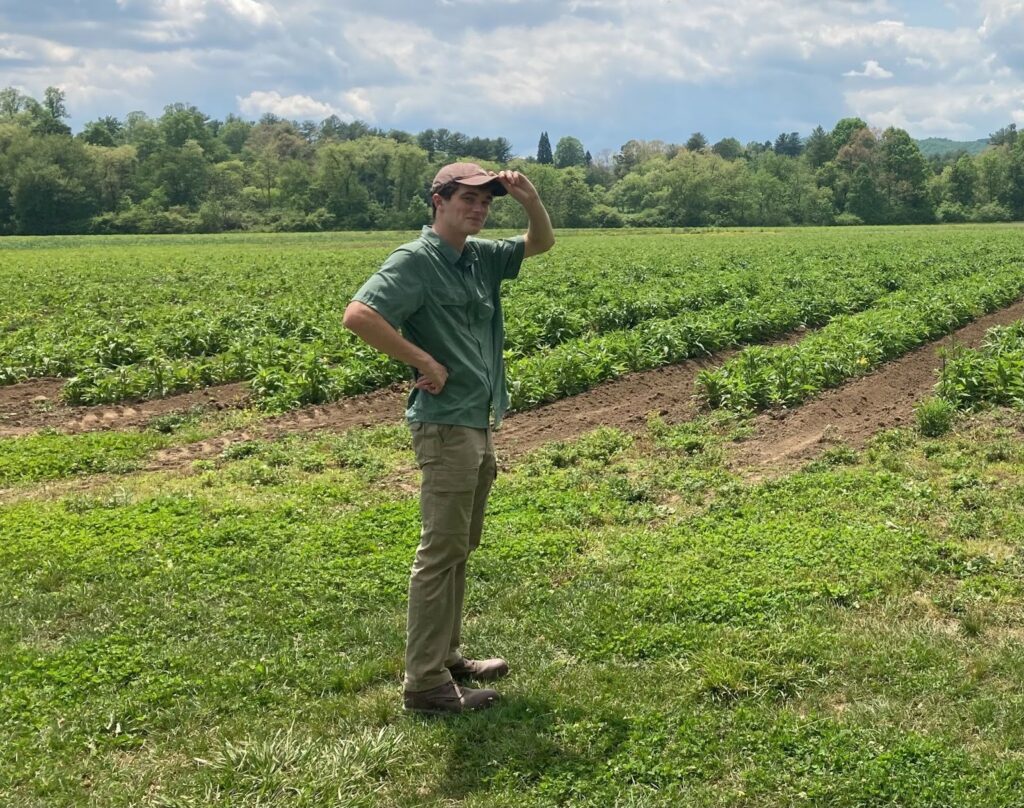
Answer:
(455, 240)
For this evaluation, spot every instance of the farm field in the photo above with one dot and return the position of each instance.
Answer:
(137, 318)
(754, 542)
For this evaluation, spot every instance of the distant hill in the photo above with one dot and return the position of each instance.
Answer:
(938, 146)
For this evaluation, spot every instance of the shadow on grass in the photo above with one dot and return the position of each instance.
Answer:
(516, 746)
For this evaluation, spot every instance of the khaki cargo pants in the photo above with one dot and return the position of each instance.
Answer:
(458, 470)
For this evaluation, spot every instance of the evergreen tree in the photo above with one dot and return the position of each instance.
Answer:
(696, 142)
(819, 148)
(544, 155)
(1005, 136)
(864, 198)
(788, 145)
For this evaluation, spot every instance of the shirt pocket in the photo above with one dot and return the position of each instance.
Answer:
(453, 302)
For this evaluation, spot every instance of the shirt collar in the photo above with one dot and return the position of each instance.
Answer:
(447, 250)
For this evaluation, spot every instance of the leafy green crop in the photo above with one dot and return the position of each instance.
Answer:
(50, 456)
(993, 374)
(854, 345)
(126, 319)
(842, 637)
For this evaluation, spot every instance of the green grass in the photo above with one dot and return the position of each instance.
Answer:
(50, 455)
(846, 636)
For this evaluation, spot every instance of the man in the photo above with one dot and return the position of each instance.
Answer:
(442, 292)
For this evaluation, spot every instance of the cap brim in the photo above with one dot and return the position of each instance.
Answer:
(492, 184)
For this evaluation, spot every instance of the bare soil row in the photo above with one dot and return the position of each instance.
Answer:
(781, 439)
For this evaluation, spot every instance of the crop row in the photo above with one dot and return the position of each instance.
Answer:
(156, 317)
(810, 301)
(992, 374)
(761, 377)
(287, 371)
(581, 364)
(286, 374)
(191, 326)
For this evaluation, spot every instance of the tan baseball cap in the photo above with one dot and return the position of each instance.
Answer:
(468, 174)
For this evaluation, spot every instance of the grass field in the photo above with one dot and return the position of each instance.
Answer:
(681, 632)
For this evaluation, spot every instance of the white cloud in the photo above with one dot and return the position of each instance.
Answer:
(409, 49)
(253, 11)
(595, 52)
(629, 68)
(187, 22)
(292, 106)
(1003, 30)
(360, 105)
(938, 110)
(872, 70)
(12, 53)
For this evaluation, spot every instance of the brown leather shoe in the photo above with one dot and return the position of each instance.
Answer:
(448, 699)
(483, 670)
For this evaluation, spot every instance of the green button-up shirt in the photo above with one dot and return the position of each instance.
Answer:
(448, 304)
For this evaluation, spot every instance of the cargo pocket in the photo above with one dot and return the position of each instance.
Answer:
(446, 499)
(451, 481)
(426, 443)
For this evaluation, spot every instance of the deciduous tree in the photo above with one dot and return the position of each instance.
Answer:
(569, 152)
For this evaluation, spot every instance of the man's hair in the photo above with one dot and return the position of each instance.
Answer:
(445, 191)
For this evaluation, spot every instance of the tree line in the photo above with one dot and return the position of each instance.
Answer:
(187, 172)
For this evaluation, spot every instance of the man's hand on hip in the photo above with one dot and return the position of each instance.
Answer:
(433, 376)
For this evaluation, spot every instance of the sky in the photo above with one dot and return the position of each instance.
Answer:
(604, 71)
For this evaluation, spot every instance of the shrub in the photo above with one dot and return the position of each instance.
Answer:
(934, 417)
(605, 216)
(991, 212)
(952, 212)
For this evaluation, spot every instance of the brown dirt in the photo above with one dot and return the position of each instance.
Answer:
(851, 414)
(781, 441)
(36, 404)
(379, 407)
(624, 403)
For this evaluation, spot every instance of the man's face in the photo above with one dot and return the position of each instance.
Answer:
(466, 211)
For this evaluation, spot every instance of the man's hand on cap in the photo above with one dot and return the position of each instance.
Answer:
(518, 186)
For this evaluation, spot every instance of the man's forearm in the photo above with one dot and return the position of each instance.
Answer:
(377, 332)
(540, 236)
